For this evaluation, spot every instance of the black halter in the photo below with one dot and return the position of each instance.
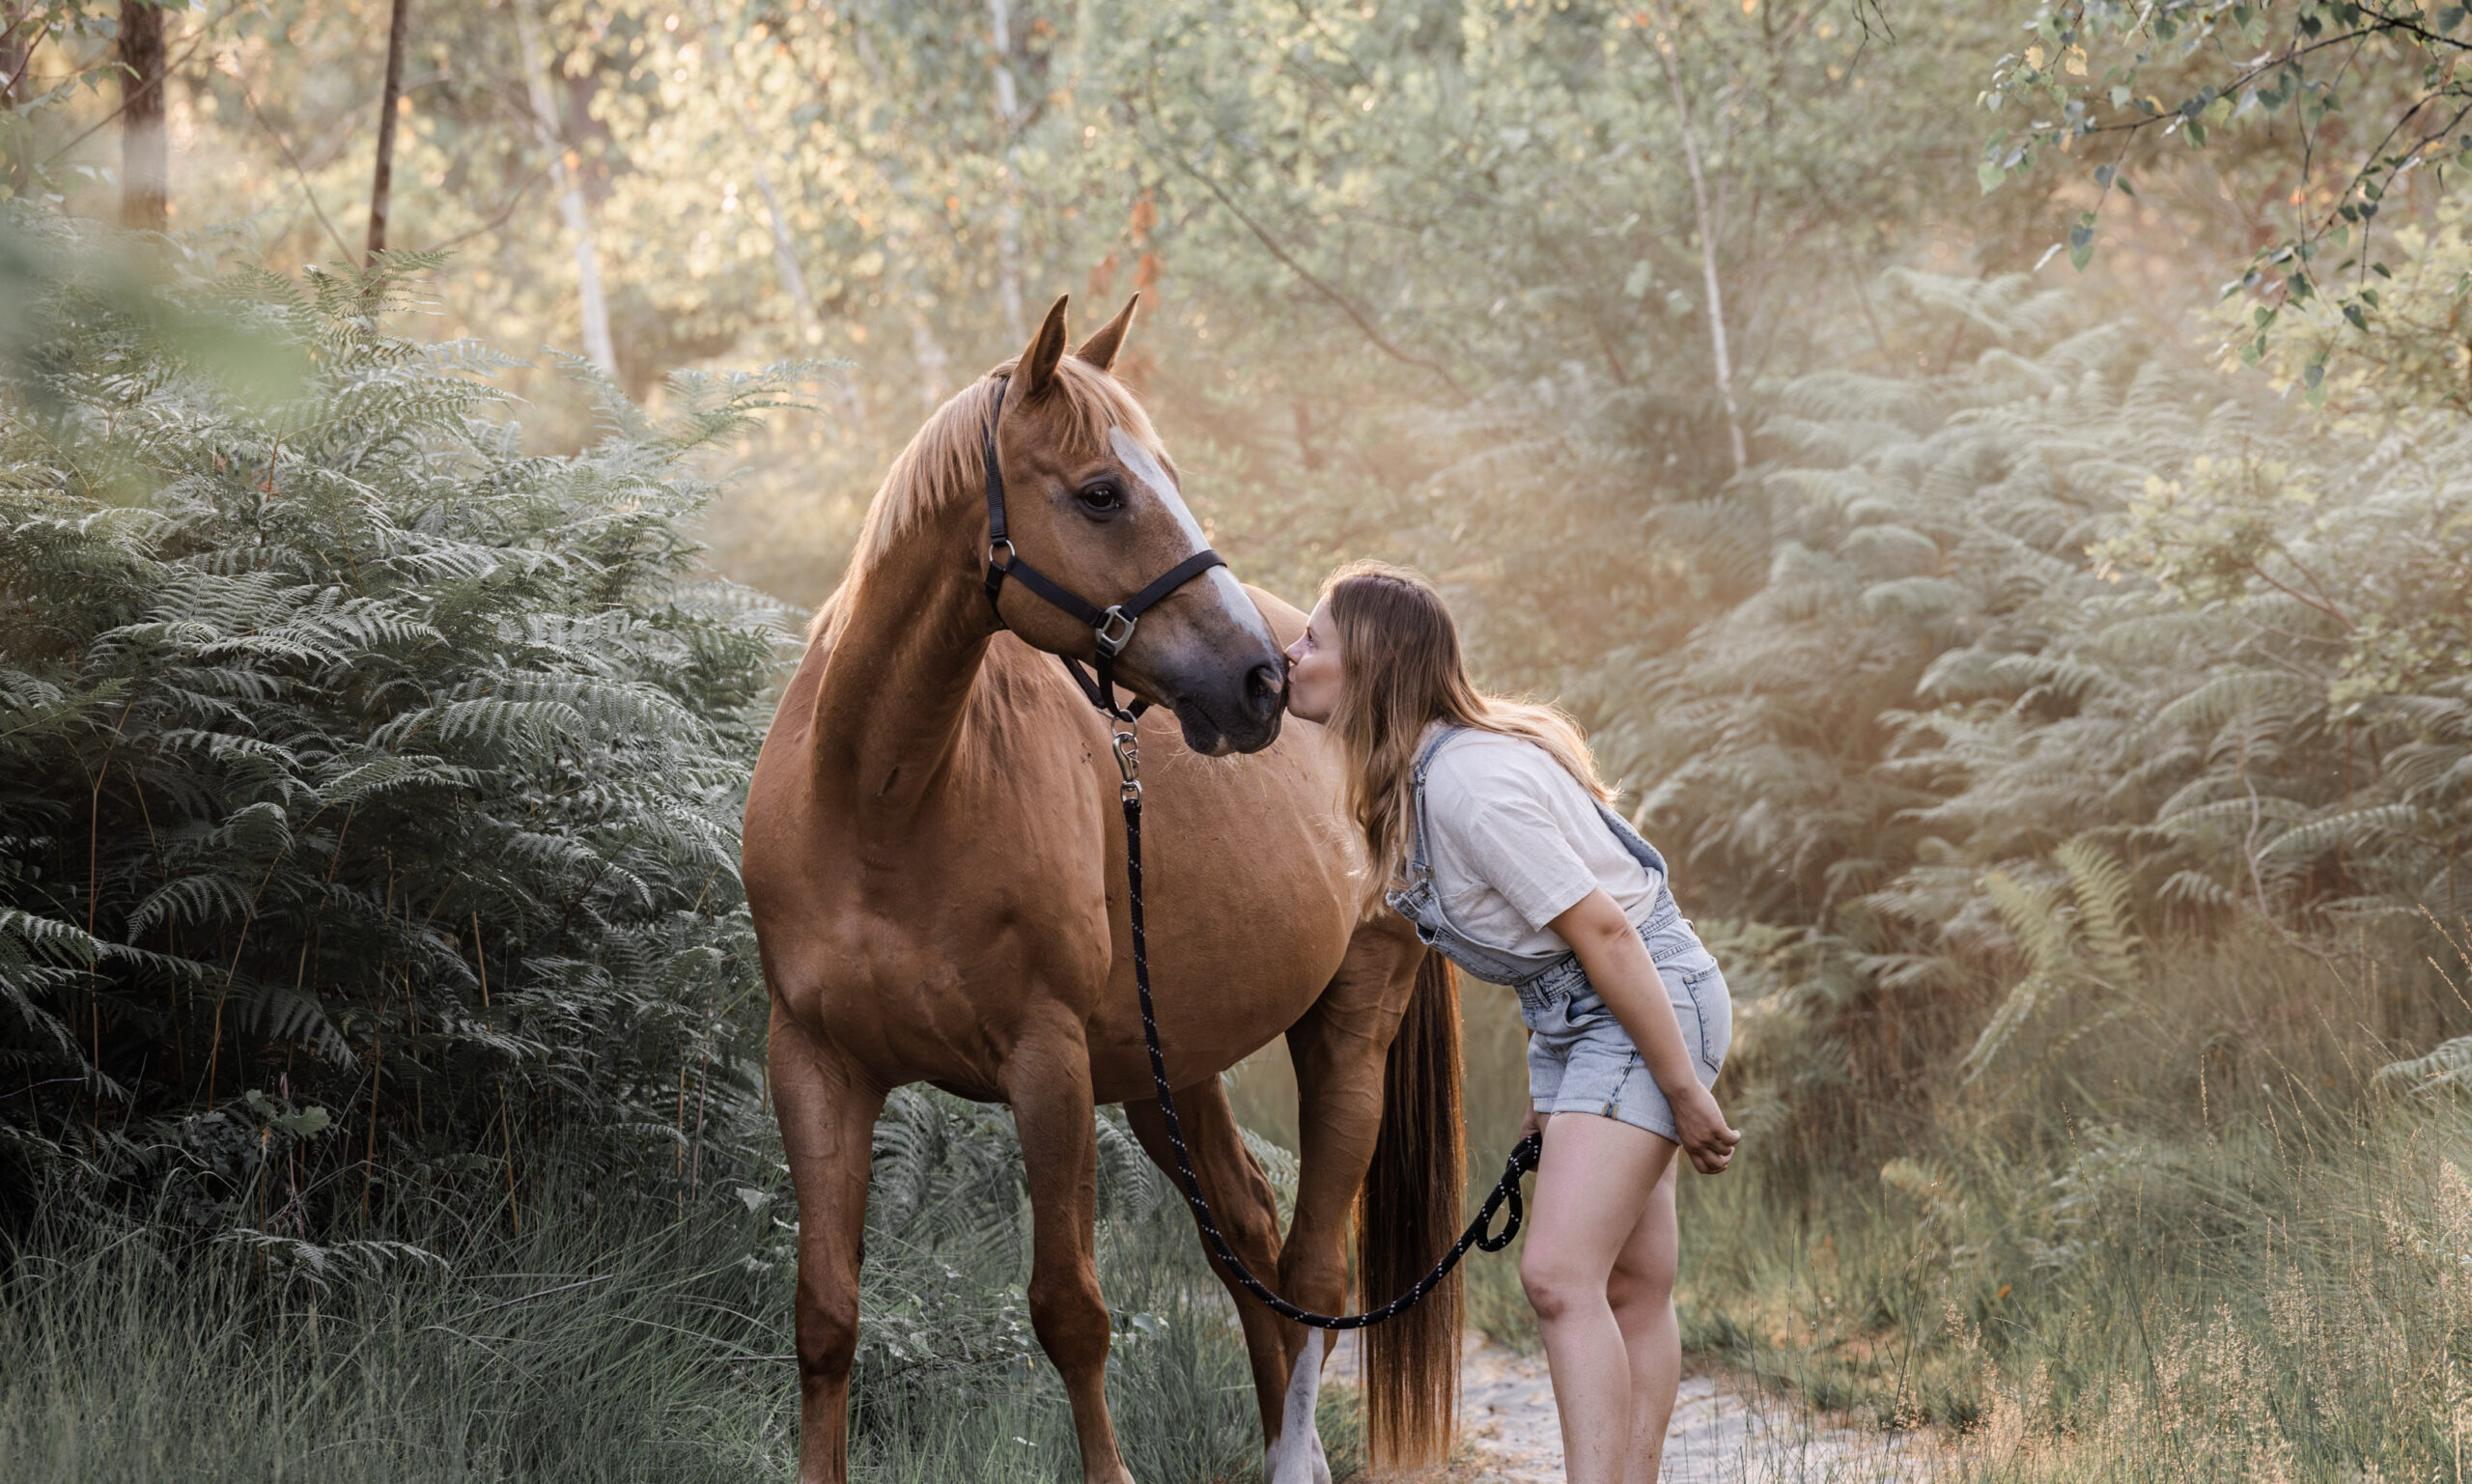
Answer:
(1111, 628)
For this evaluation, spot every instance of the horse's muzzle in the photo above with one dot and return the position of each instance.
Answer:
(1239, 716)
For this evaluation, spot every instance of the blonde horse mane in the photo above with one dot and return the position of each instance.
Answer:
(946, 462)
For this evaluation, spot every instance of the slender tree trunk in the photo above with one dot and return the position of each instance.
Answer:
(18, 38)
(785, 253)
(1009, 220)
(1666, 48)
(785, 256)
(145, 169)
(383, 179)
(570, 191)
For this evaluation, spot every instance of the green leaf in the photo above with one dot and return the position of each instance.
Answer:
(1988, 175)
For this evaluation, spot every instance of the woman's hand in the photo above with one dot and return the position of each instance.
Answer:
(1534, 1123)
(1626, 979)
(1703, 1125)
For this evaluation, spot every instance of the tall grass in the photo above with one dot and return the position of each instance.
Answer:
(618, 1336)
(2188, 1237)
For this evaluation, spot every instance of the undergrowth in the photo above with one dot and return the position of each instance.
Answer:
(617, 1336)
(2205, 1239)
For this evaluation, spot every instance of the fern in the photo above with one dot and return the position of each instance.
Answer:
(347, 747)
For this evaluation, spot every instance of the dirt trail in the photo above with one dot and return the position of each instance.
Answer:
(1721, 1433)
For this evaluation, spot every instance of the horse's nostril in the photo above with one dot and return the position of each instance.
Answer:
(1262, 685)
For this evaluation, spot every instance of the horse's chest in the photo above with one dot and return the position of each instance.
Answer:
(958, 952)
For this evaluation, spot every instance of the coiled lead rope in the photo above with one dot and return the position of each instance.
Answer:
(1523, 1159)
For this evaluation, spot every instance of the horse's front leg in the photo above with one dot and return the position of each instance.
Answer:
(1046, 1081)
(828, 1107)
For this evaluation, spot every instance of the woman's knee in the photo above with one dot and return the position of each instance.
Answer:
(1557, 1285)
(1644, 1285)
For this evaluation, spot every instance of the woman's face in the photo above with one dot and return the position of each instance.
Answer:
(1313, 674)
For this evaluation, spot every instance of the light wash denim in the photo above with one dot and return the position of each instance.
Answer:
(1579, 1059)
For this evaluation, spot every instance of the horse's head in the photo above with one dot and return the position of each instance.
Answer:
(1093, 501)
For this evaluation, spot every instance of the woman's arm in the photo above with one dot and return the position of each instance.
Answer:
(1619, 966)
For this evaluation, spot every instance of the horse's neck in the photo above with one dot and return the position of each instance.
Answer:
(896, 687)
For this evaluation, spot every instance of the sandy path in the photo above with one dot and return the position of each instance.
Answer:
(1721, 1433)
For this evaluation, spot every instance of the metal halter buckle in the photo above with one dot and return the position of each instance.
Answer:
(1113, 639)
(1006, 543)
(1129, 764)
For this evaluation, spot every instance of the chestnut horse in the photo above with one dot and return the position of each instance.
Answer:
(934, 867)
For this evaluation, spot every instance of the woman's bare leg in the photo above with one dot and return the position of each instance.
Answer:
(1592, 1189)
(1641, 1293)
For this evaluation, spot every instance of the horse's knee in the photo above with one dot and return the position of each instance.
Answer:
(1069, 1314)
(827, 1330)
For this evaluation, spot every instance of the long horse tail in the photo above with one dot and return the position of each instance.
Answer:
(1411, 1210)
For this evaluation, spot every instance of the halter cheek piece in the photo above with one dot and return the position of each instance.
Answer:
(1111, 628)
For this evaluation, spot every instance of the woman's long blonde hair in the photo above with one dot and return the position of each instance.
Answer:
(1402, 670)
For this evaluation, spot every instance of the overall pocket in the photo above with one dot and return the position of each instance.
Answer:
(1703, 1003)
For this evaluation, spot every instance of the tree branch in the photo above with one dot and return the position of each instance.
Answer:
(1345, 305)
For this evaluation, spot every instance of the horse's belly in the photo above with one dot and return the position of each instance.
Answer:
(1241, 943)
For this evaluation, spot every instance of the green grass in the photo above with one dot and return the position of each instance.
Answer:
(616, 1338)
(2195, 1244)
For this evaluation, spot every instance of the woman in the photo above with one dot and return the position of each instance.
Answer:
(1488, 818)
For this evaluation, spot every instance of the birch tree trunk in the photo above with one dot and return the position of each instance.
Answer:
(785, 252)
(1008, 222)
(381, 181)
(144, 167)
(1665, 46)
(785, 257)
(570, 190)
(18, 37)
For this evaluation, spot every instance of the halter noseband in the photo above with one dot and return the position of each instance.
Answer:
(1111, 628)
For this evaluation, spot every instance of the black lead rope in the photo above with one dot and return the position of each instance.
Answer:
(1111, 630)
(1523, 1159)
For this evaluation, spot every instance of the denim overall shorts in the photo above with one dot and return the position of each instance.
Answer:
(1579, 1059)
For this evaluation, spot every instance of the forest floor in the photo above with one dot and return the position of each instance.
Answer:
(1725, 1431)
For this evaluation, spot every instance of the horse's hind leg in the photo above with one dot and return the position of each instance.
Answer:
(828, 1109)
(1046, 1081)
(1248, 1217)
(1340, 1048)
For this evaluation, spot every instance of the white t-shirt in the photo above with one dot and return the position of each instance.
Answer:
(1517, 842)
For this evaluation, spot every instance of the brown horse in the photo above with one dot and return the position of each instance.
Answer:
(934, 862)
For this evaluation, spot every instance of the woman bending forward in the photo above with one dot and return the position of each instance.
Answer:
(1492, 823)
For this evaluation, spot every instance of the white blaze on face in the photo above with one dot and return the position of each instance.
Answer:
(1144, 465)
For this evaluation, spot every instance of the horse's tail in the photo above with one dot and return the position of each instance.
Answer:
(1412, 1209)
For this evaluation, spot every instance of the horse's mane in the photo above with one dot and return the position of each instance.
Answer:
(946, 462)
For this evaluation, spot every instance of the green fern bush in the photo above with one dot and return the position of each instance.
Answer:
(369, 785)
(2020, 597)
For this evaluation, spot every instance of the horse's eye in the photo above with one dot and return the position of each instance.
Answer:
(1102, 499)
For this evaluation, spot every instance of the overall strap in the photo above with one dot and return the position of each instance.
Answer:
(1418, 864)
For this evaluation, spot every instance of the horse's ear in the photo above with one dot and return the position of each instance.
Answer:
(1101, 349)
(1037, 366)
